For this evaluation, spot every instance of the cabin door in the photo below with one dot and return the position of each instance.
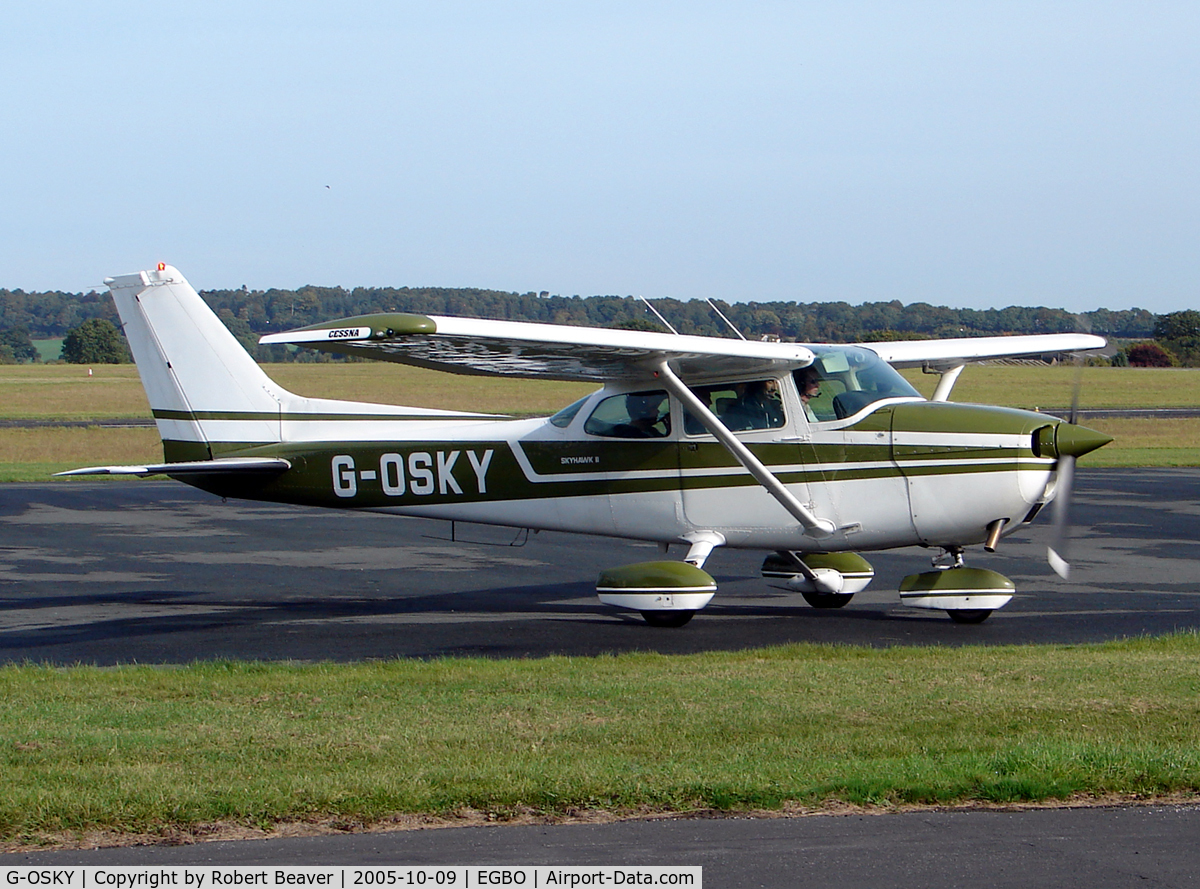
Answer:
(720, 494)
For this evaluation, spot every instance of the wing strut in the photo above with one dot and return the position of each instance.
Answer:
(948, 377)
(813, 526)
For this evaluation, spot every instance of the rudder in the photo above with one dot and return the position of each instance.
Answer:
(205, 390)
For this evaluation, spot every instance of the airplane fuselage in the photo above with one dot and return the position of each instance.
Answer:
(890, 476)
(814, 451)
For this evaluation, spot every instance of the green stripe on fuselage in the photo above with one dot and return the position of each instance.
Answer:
(305, 417)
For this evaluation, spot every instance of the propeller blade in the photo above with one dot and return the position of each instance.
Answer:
(1056, 553)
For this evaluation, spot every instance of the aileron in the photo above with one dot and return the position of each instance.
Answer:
(956, 352)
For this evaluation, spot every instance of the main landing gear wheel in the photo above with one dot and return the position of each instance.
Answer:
(668, 618)
(827, 600)
(969, 615)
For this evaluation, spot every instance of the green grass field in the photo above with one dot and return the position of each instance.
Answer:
(67, 391)
(154, 750)
(49, 350)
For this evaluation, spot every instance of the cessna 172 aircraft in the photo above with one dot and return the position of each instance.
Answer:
(814, 453)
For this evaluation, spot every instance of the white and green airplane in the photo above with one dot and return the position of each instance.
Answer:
(814, 453)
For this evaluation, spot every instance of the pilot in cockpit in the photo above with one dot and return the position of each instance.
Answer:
(808, 382)
(648, 416)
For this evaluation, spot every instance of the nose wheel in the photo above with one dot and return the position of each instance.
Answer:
(668, 618)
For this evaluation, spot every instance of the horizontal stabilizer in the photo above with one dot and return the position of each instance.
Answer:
(195, 467)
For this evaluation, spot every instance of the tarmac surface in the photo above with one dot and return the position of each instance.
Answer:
(155, 572)
(1061, 848)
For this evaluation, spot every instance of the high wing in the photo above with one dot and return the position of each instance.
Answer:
(947, 354)
(551, 351)
(597, 354)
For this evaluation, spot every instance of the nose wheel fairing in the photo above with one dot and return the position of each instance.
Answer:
(968, 595)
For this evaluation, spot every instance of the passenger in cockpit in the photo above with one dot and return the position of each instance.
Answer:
(756, 407)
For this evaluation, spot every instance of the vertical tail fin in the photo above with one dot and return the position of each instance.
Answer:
(205, 390)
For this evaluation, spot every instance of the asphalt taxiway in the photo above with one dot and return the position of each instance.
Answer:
(156, 572)
(1084, 848)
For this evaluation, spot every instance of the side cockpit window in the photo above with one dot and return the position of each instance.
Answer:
(564, 417)
(636, 415)
(740, 406)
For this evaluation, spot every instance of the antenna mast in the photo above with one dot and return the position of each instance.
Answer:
(657, 315)
(713, 305)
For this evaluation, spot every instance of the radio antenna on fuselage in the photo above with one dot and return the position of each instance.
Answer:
(713, 305)
(658, 316)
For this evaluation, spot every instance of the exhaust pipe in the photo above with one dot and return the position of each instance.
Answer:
(993, 536)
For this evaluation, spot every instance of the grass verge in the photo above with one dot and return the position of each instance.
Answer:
(142, 749)
(1148, 443)
(1032, 387)
(66, 391)
(34, 455)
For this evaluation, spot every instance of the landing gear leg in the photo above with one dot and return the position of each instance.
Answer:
(951, 557)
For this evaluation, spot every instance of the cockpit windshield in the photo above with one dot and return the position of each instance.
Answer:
(845, 379)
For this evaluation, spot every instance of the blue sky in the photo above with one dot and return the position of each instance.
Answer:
(964, 153)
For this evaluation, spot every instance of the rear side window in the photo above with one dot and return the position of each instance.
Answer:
(740, 406)
(636, 415)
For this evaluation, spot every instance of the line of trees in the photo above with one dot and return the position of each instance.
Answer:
(16, 346)
(251, 313)
(50, 314)
(274, 310)
(1176, 342)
